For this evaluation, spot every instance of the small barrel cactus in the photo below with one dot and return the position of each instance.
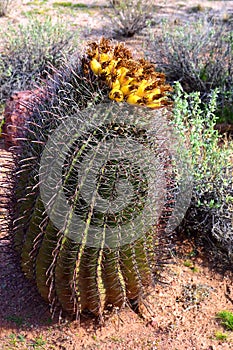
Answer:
(92, 185)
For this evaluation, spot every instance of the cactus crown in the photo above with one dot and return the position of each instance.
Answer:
(135, 82)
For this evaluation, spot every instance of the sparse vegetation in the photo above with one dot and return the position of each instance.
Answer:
(38, 343)
(188, 263)
(129, 17)
(30, 51)
(199, 56)
(226, 318)
(19, 341)
(70, 5)
(37, 11)
(221, 336)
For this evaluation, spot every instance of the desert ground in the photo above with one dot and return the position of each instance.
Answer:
(179, 312)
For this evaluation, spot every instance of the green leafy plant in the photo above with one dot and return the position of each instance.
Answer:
(226, 318)
(38, 343)
(221, 336)
(16, 340)
(130, 17)
(210, 211)
(188, 263)
(29, 51)
(199, 56)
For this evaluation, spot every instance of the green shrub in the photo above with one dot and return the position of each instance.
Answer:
(210, 213)
(29, 52)
(129, 17)
(199, 56)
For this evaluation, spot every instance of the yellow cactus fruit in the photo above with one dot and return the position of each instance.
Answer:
(121, 74)
(109, 67)
(156, 104)
(95, 66)
(134, 81)
(139, 72)
(116, 84)
(112, 64)
(104, 57)
(129, 88)
(153, 94)
(162, 101)
(134, 99)
(126, 90)
(142, 86)
(116, 94)
(125, 80)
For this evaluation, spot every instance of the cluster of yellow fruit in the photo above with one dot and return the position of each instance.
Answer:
(135, 82)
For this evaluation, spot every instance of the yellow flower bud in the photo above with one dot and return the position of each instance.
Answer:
(95, 66)
(141, 89)
(129, 88)
(156, 104)
(104, 57)
(151, 96)
(115, 84)
(116, 94)
(133, 99)
(110, 67)
(121, 74)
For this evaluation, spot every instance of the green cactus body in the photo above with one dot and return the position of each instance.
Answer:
(68, 270)
(64, 275)
(45, 261)
(28, 252)
(113, 279)
(135, 269)
(23, 209)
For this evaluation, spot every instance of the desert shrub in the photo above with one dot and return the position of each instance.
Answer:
(210, 213)
(200, 57)
(5, 7)
(28, 52)
(129, 17)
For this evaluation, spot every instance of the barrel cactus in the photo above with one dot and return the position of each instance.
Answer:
(94, 182)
